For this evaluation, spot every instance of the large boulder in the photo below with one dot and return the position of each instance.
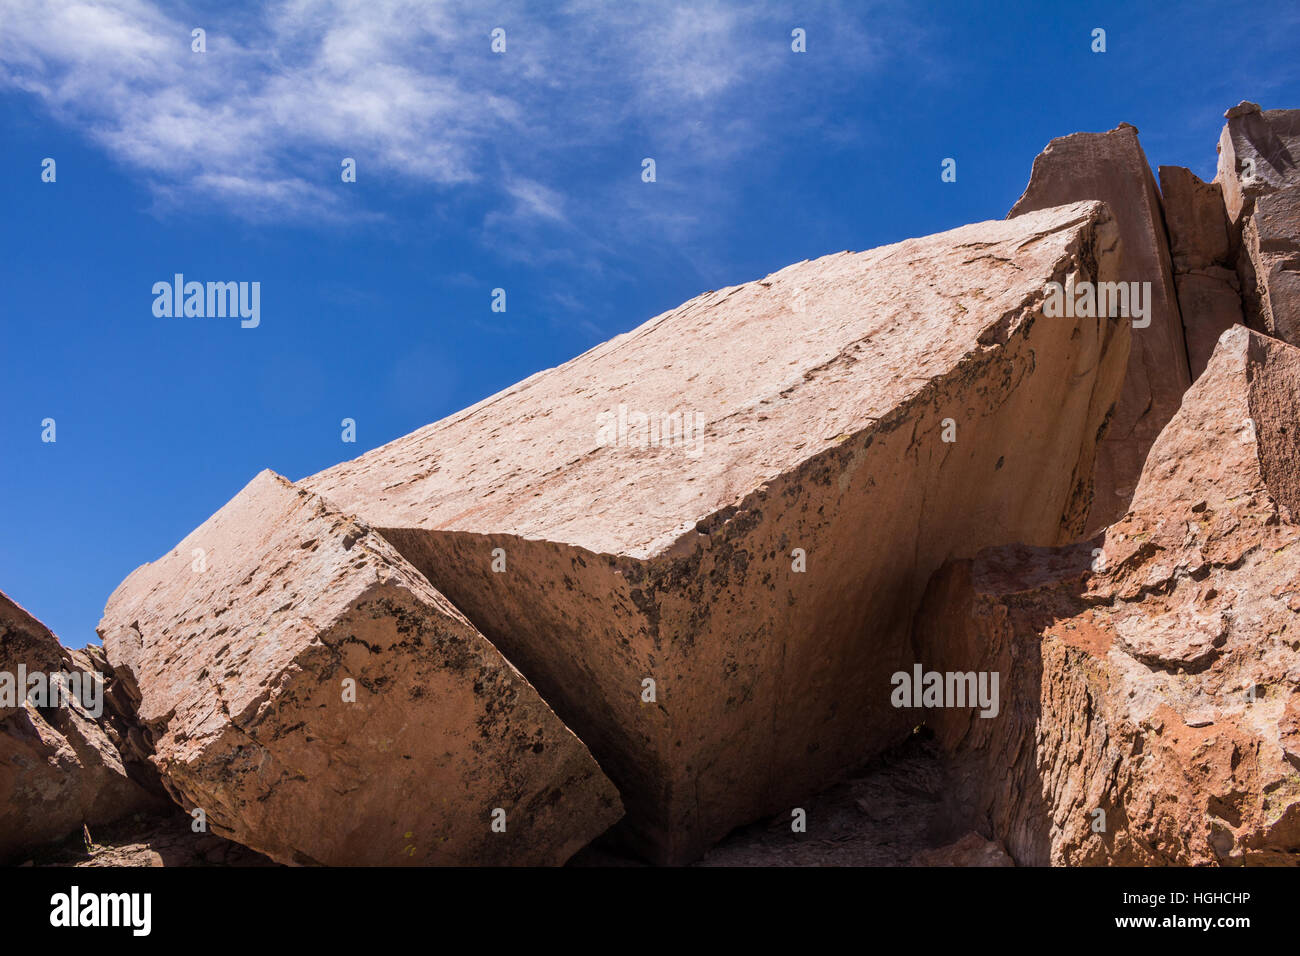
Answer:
(306, 688)
(1113, 168)
(1149, 698)
(704, 541)
(64, 760)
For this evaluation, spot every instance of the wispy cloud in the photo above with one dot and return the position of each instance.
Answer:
(413, 92)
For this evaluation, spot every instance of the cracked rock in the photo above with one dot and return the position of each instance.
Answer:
(1148, 718)
(718, 615)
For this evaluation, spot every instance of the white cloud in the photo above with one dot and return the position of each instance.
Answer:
(410, 89)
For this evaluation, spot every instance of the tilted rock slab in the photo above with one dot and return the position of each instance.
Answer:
(62, 766)
(653, 586)
(1259, 173)
(1158, 696)
(243, 643)
(1113, 168)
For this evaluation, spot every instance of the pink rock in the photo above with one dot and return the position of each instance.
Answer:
(1259, 153)
(1210, 305)
(1270, 263)
(1148, 679)
(310, 692)
(62, 766)
(1112, 167)
(654, 589)
(1196, 219)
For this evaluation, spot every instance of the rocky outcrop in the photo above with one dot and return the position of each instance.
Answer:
(1270, 256)
(1209, 293)
(1148, 679)
(64, 761)
(738, 571)
(716, 608)
(307, 689)
(1259, 153)
(1259, 172)
(1111, 167)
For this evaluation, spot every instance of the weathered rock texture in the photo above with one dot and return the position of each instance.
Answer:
(1164, 688)
(1209, 293)
(1259, 153)
(1112, 167)
(824, 392)
(1259, 172)
(1270, 256)
(61, 767)
(243, 643)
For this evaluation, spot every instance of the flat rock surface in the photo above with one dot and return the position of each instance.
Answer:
(780, 370)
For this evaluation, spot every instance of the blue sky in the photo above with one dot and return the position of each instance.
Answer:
(477, 171)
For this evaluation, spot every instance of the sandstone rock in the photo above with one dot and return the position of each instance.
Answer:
(1259, 153)
(1112, 167)
(1270, 263)
(1159, 689)
(1209, 293)
(243, 643)
(970, 850)
(1196, 219)
(822, 394)
(1259, 171)
(62, 765)
(1243, 108)
(1210, 305)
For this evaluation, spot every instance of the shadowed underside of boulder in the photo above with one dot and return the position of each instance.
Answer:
(1156, 696)
(321, 703)
(717, 617)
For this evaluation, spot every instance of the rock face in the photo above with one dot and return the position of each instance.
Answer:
(1197, 220)
(1112, 167)
(1148, 706)
(321, 703)
(1259, 172)
(1259, 153)
(716, 611)
(1209, 293)
(66, 764)
(1270, 261)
